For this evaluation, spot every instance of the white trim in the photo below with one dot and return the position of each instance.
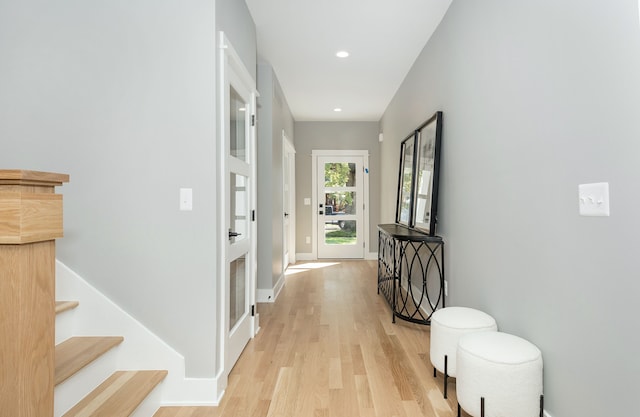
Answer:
(305, 256)
(270, 295)
(142, 349)
(371, 256)
(289, 149)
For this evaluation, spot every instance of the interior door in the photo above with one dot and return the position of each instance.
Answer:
(340, 207)
(239, 199)
(288, 202)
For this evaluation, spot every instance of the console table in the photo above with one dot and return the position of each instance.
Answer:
(410, 272)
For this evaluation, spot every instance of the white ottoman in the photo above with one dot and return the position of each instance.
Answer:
(447, 325)
(499, 375)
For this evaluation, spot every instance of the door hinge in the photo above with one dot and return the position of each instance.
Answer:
(253, 120)
(253, 215)
(253, 310)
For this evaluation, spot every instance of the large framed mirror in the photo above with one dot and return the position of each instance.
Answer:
(405, 185)
(419, 176)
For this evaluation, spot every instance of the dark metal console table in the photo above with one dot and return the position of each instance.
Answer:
(410, 272)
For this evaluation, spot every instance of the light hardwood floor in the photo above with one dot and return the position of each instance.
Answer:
(327, 348)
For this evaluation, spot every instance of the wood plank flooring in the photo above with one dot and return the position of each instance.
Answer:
(327, 348)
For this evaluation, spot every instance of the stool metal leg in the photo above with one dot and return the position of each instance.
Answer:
(458, 409)
(481, 406)
(446, 376)
(542, 406)
(434, 372)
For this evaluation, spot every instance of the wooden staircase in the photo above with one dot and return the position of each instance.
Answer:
(120, 394)
(32, 368)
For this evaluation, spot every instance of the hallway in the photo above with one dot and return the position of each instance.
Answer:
(327, 348)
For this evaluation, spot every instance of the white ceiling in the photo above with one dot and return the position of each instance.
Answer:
(300, 38)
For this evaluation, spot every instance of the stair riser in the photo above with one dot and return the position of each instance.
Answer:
(150, 404)
(71, 391)
(65, 325)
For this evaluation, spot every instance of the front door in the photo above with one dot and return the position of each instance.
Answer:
(340, 207)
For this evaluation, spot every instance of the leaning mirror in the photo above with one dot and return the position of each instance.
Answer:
(405, 183)
(425, 199)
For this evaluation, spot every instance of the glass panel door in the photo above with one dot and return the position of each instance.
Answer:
(340, 207)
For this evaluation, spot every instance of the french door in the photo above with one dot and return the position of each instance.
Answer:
(238, 159)
(340, 206)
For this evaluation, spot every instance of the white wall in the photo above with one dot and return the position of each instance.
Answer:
(538, 97)
(121, 96)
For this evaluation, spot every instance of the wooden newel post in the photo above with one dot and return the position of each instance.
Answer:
(30, 221)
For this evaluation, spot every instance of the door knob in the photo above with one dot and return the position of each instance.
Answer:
(233, 234)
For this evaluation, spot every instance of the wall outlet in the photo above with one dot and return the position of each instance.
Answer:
(307, 239)
(446, 288)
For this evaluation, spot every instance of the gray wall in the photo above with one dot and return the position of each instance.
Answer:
(538, 97)
(274, 116)
(334, 136)
(233, 17)
(122, 98)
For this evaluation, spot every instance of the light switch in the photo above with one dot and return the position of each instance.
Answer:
(186, 199)
(593, 199)
(307, 201)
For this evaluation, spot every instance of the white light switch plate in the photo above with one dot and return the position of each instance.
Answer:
(593, 199)
(307, 201)
(186, 199)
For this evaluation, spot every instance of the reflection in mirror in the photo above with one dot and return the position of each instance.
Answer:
(403, 212)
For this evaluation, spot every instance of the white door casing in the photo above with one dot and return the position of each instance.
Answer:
(237, 173)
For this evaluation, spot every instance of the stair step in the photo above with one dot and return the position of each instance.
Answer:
(75, 353)
(62, 306)
(119, 395)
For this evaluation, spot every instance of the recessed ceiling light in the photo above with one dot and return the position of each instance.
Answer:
(337, 109)
(342, 54)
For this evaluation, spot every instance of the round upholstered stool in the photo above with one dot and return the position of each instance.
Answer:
(447, 325)
(499, 375)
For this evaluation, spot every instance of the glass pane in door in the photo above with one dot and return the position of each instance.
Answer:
(237, 125)
(238, 207)
(340, 203)
(339, 174)
(237, 291)
(340, 232)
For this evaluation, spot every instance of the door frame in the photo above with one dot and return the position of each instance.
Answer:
(314, 194)
(231, 67)
(289, 149)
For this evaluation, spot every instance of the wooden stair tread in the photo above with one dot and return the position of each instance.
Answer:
(75, 353)
(119, 395)
(62, 306)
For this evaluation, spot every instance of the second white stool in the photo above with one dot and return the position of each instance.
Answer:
(447, 326)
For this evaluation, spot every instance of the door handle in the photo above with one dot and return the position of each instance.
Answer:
(286, 214)
(233, 234)
(321, 212)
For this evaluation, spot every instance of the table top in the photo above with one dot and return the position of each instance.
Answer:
(401, 232)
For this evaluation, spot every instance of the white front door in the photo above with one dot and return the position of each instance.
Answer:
(340, 206)
(238, 186)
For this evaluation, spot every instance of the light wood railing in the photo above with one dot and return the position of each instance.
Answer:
(30, 221)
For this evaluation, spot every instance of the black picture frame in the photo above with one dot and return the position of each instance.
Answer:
(419, 177)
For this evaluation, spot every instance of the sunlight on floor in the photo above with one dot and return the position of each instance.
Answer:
(297, 268)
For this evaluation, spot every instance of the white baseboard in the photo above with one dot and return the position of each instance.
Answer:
(270, 295)
(141, 349)
(305, 257)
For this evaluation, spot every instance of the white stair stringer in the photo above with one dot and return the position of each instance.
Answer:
(141, 350)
